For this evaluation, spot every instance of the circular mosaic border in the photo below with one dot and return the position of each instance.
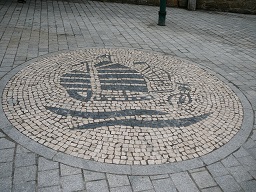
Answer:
(136, 169)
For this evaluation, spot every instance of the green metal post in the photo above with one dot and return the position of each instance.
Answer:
(162, 13)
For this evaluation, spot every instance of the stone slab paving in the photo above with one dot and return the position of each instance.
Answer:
(208, 47)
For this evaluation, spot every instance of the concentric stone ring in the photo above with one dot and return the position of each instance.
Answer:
(122, 106)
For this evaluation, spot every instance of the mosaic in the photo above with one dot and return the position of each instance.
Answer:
(122, 106)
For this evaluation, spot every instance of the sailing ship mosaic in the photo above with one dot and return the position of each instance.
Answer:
(122, 106)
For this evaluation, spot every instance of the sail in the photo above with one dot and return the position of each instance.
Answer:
(117, 83)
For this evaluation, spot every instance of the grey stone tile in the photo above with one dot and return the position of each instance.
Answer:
(253, 136)
(217, 169)
(21, 149)
(92, 176)
(140, 183)
(25, 159)
(203, 179)
(249, 186)
(250, 143)
(228, 183)
(241, 153)
(5, 144)
(6, 155)
(164, 185)
(252, 151)
(50, 189)
(24, 174)
(6, 184)
(97, 186)
(153, 177)
(26, 187)
(240, 173)
(117, 180)
(212, 189)
(48, 178)
(183, 182)
(253, 173)
(68, 170)
(72, 183)
(6, 169)
(248, 161)
(1, 134)
(230, 161)
(197, 170)
(45, 164)
(121, 189)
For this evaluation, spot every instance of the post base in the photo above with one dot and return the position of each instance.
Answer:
(161, 19)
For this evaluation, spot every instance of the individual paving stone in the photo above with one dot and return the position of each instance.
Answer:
(5, 144)
(92, 176)
(5, 169)
(50, 189)
(253, 136)
(250, 143)
(230, 161)
(24, 174)
(21, 149)
(253, 173)
(240, 173)
(45, 164)
(97, 186)
(252, 151)
(6, 155)
(121, 189)
(203, 179)
(72, 183)
(183, 182)
(5, 184)
(25, 159)
(228, 183)
(2, 135)
(117, 180)
(140, 183)
(48, 178)
(212, 189)
(164, 185)
(26, 186)
(68, 170)
(249, 186)
(248, 161)
(153, 177)
(241, 153)
(197, 170)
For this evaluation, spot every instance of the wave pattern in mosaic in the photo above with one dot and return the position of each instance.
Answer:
(122, 106)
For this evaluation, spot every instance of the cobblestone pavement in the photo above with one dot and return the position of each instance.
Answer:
(207, 43)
